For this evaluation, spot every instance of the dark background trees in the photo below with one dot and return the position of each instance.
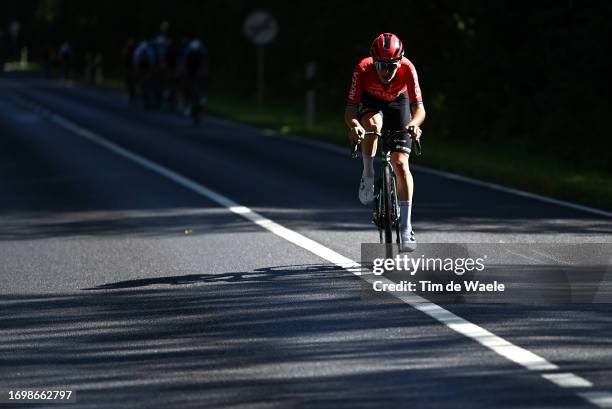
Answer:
(532, 76)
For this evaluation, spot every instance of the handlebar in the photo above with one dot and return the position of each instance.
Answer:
(354, 148)
(418, 150)
(417, 142)
(354, 151)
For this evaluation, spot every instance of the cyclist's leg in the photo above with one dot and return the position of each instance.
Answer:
(405, 188)
(371, 118)
(371, 122)
(405, 183)
(397, 116)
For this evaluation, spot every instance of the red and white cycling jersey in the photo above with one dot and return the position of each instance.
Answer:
(366, 79)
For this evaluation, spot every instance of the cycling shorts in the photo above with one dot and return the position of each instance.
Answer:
(396, 115)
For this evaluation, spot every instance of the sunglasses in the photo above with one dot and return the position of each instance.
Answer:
(386, 66)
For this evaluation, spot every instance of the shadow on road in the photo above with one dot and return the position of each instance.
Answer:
(54, 181)
(275, 337)
(310, 272)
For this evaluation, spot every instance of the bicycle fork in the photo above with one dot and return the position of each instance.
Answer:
(380, 218)
(395, 213)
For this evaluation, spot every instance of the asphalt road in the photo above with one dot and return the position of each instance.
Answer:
(137, 292)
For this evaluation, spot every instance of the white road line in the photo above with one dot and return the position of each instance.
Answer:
(567, 380)
(523, 256)
(440, 173)
(548, 256)
(513, 191)
(600, 399)
(502, 347)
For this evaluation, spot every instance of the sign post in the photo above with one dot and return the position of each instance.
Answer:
(260, 76)
(260, 28)
(311, 69)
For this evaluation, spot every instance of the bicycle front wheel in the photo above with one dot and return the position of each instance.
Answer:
(388, 198)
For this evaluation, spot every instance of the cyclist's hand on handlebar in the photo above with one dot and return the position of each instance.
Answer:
(415, 132)
(356, 134)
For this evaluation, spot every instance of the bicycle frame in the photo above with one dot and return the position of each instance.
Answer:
(385, 212)
(386, 206)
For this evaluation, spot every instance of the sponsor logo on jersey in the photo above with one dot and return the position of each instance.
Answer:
(353, 90)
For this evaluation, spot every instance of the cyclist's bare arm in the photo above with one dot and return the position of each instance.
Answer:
(350, 117)
(418, 116)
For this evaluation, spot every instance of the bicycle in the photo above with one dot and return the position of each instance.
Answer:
(385, 212)
(194, 96)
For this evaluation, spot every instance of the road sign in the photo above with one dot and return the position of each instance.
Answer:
(260, 27)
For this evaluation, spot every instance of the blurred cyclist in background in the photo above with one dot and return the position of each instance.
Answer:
(194, 72)
(160, 73)
(65, 56)
(144, 61)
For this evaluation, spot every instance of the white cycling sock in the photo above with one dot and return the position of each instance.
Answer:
(368, 166)
(405, 216)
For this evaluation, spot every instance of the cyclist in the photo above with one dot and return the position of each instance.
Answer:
(195, 68)
(161, 75)
(385, 95)
(66, 58)
(144, 60)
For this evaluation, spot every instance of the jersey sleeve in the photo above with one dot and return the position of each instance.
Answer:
(414, 89)
(356, 90)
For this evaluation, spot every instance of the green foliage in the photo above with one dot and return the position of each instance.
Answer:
(501, 162)
(534, 76)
